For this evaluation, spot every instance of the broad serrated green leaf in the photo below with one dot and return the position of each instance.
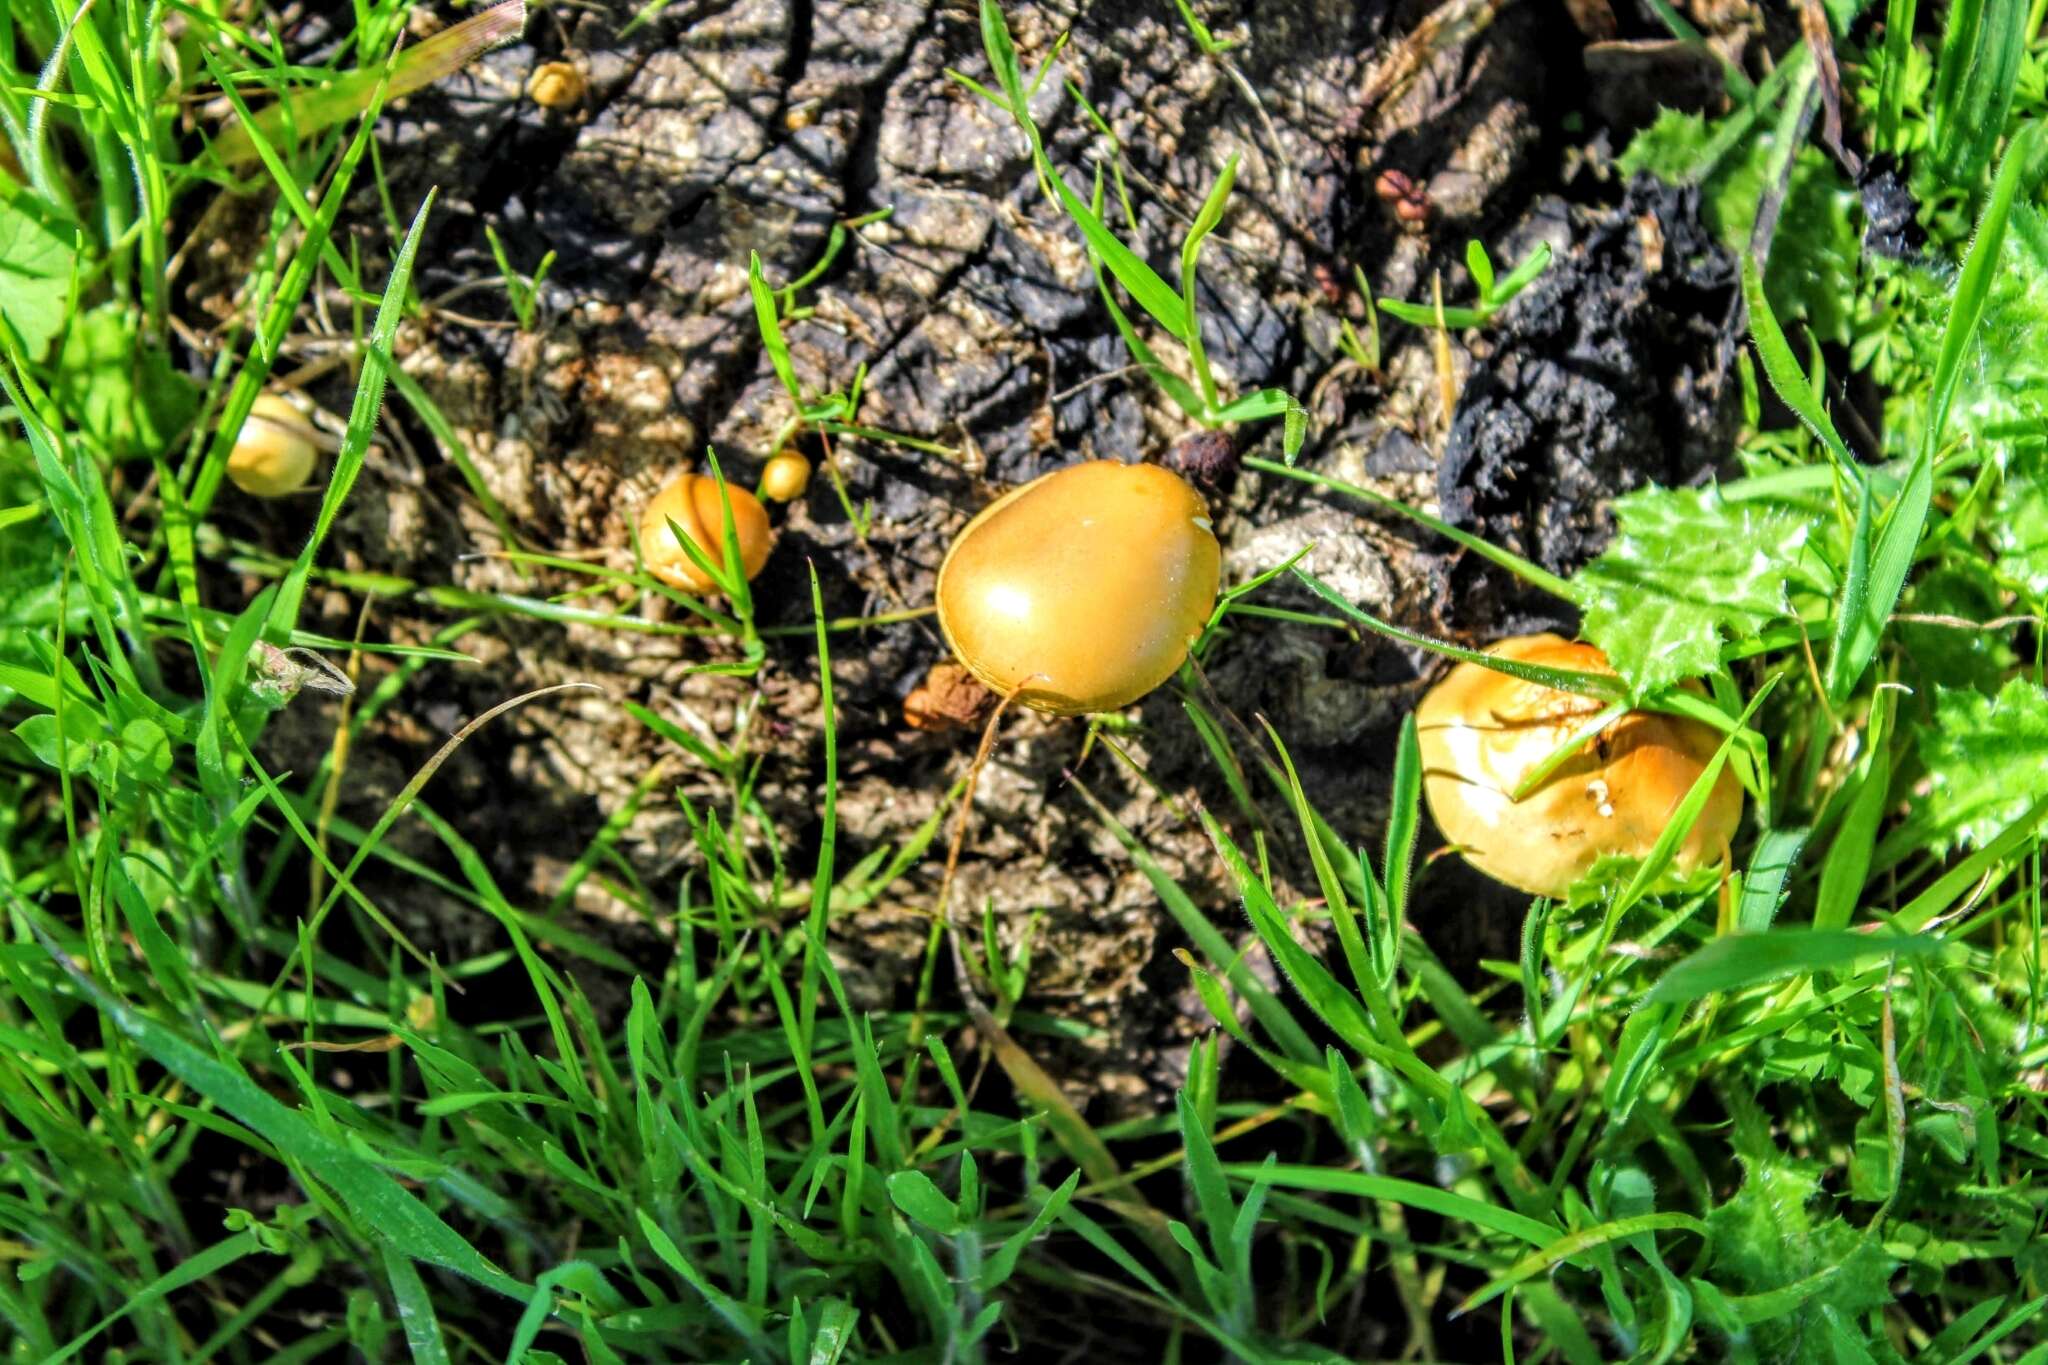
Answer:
(119, 390)
(1687, 572)
(35, 270)
(2019, 521)
(1780, 1270)
(1986, 759)
(1672, 149)
(1943, 650)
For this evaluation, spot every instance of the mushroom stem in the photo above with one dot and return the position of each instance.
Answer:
(965, 815)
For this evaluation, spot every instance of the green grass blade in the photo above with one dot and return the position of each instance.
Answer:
(362, 424)
(1205, 1175)
(1480, 265)
(373, 1197)
(1566, 1248)
(415, 1308)
(1898, 543)
(1856, 629)
(1002, 56)
(1898, 42)
(1272, 1014)
(1843, 871)
(345, 96)
(1958, 880)
(1973, 289)
(1742, 960)
(1429, 1198)
(1153, 294)
(1179, 390)
(194, 1268)
(1602, 685)
(1210, 215)
(1523, 275)
(1683, 816)
(1404, 819)
(769, 322)
(1531, 573)
(1974, 82)
(1763, 886)
(1784, 372)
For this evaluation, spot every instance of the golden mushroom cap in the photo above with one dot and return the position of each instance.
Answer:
(556, 85)
(1084, 587)
(785, 476)
(275, 451)
(1482, 732)
(691, 502)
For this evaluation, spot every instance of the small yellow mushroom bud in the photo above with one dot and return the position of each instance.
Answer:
(785, 477)
(556, 85)
(275, 452)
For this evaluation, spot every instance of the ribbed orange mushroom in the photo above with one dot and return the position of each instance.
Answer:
(691, 502)
(1481, 733)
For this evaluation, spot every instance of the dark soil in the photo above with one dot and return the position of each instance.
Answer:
(718, 129)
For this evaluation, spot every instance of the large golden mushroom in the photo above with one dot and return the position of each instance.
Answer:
(1082, 590)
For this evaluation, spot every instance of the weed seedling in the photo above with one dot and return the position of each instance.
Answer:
(522, 291)
(1173, 309)
(1494, 294)
(834, 413)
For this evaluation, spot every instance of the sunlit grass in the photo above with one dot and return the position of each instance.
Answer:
(251, 1112)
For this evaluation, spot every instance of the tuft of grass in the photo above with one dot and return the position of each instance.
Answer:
(1494, 293)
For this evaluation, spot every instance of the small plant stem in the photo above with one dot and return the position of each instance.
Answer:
(886, 618)
(1446, 370)
(1533, 574)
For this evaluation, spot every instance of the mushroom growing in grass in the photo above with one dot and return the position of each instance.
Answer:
(1082, 590)
(785, 477)
(691, 503)
(276, 449)
(557, 85)
(1485, 735)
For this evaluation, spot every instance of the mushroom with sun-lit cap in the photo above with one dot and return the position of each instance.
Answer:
(276, 449)
(1482, 733)
(691, 501)
(1082, 590)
